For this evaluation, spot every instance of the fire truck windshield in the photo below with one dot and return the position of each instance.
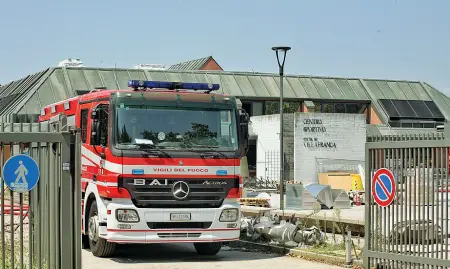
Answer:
(175, 128)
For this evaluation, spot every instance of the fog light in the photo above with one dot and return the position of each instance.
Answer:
(229, 215)
(127, 215)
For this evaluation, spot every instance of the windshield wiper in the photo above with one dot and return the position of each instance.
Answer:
(205, 153)
(211, 151)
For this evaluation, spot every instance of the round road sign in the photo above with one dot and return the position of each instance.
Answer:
(383, 187)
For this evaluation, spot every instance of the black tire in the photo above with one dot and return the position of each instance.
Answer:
(100, 247)
(208, 248)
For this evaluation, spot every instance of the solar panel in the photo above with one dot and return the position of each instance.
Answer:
(411, 109)
(434, 110)
(390, 108)
(404, 109)
(421, 109)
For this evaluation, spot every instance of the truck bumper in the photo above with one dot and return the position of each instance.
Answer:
(155, 225)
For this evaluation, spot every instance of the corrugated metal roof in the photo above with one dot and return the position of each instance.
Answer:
(54, 84)
(190, 65)
(441, 100)
(16, 93)
(403, 90)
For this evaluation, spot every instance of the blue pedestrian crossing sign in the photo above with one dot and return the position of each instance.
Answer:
(21, 173)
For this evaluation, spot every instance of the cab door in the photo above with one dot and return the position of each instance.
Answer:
(94, 139)
(100, 144)
(89, 161)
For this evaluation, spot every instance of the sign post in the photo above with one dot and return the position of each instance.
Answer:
(21, 173)
(383, 187)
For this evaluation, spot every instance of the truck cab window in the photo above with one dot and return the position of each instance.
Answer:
(103, 122)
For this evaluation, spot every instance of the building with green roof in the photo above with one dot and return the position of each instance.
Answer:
(386, 103)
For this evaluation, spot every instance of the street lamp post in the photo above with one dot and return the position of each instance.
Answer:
(281, 72)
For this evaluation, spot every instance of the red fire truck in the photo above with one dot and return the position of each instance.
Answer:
(160, 164)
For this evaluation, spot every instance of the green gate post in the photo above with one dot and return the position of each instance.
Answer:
(367, 224)
(66, 201)
(77, 195)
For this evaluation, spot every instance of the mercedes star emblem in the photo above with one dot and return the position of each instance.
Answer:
(180, 162)
(180, 190)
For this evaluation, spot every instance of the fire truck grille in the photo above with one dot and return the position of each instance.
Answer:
(179, 225)
(179, 235)
(162, 193)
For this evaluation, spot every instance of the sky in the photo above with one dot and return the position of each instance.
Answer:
(386, 39)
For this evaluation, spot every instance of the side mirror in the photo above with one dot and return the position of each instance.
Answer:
(95, 127)
(244, 120)
(99, 118)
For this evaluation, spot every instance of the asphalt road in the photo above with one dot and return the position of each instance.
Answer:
(183, 256)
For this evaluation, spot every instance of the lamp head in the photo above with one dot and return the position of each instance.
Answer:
(281, 48)
(284, 50)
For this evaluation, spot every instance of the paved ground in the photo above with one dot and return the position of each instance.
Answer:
(179, 256)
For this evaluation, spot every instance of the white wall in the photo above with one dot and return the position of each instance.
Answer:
(267, 128)
(326, 135)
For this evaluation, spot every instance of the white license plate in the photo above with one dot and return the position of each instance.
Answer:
(180, 216)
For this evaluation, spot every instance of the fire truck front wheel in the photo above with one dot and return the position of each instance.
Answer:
(99, 246)
(208, 248)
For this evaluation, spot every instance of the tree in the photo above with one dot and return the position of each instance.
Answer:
(288, 107)
(200, 131)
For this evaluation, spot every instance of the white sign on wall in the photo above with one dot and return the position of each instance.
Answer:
(326, 136)
(315, 134)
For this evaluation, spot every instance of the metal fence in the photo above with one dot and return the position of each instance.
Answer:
(412, 231)
(259, 183)
(272, 165)
(42, 228)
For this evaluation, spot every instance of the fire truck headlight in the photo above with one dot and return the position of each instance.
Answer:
(229, 215)
(127, 215)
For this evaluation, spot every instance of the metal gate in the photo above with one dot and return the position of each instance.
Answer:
(272, 165)
(41, 228)
(412, 231)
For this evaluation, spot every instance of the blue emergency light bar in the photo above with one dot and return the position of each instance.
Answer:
(136, 84)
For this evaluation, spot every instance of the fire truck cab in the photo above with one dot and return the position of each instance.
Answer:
(160, 164)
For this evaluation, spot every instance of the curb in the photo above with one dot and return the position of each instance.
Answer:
(312, 256)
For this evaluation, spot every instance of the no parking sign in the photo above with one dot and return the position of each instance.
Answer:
(383, 187)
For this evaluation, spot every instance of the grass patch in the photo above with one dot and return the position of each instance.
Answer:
(8, 259)
(329, 249)
(337, 250)
(16, 256)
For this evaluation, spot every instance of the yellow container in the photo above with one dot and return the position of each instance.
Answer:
(356, 182)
